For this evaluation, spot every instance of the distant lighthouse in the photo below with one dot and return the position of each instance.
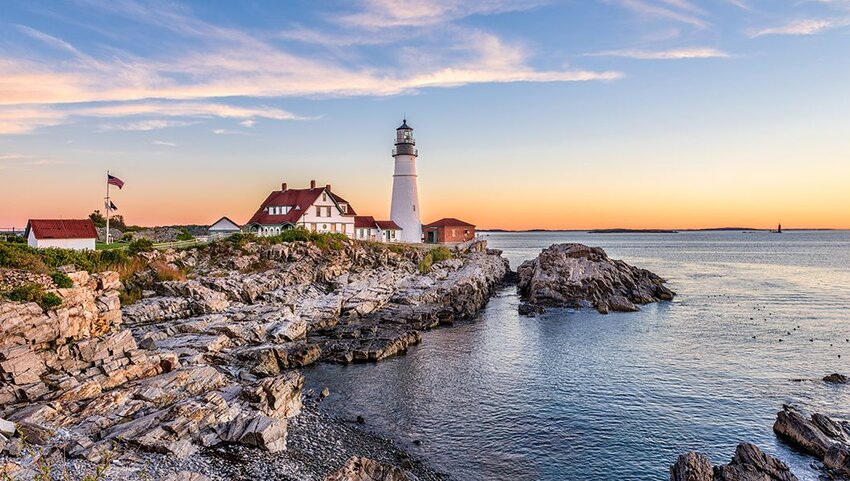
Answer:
(405, 206)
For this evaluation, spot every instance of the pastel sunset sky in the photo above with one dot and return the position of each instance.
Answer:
(527, 114)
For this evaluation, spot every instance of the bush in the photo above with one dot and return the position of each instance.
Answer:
(140, 245)
(184, 235)
(127, 236)
(62, 280)
(436, 254)
(440, 253)
(49, 300)
(34, 293)
(425, 264)
(18, 256)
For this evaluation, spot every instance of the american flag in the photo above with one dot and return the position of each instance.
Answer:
(111, 179)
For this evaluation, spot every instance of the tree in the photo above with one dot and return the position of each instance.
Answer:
(98, 219)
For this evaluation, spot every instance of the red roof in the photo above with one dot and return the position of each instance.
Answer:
(449, 222)
(369, 222)
(387, 225)
(62, 229)
(299, 200)
(364, 221)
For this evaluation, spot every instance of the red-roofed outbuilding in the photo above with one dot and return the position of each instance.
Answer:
(448, 230)
(78, 234)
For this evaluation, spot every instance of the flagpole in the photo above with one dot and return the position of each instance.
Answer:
(107, 207)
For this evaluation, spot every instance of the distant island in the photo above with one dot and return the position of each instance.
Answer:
(632, 231)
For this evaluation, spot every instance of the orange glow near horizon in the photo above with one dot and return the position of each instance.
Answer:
(547, 204)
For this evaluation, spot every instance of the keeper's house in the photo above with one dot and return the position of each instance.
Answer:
(316, 209)
(77, 234)
(448, 231)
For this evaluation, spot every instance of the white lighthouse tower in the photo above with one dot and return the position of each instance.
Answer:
(405, 206)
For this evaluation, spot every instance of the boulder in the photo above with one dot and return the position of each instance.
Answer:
(748, 464)
(691, 467)
(751, 464)
(575, 275)
(803, 433)
(365, 469)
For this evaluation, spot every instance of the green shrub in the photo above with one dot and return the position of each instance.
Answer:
(184, 235)
(426, 263)
(62, 280)
(127, 236)
(436, 254)
(31, 292)
(34, 293)
(49, 300)
(140, 245)
(440, 253)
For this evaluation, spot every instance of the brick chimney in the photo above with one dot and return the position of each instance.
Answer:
(328, 187)
(312, 184)
(283, 187)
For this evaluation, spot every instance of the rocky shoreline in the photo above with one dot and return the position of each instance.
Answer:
(817, 435)
(206, 363)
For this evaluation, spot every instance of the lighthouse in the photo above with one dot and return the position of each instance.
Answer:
(405, 204)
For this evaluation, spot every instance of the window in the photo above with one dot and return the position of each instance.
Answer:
(343, 208)
(453, 232)
(328, 211)
(324, 197)
(318, 211)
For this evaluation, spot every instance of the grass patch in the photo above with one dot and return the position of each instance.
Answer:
(165, 272)
(103, 246)
(45, 261)
(435, 255)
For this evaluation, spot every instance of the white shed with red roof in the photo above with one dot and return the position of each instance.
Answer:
(77, 234)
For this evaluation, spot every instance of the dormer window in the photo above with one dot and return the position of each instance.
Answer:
(343, 208)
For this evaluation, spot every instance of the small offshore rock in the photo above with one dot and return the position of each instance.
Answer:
(325, 393)
(575, 275)
(836, 378)
(361, 419)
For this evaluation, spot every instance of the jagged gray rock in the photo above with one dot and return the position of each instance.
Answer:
(748, 464)
(575, 275)
(818, 435)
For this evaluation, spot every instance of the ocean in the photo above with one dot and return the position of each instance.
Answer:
(576, 395)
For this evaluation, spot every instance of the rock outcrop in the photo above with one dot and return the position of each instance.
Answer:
(210, 360)
(748, 464)
(365, 469)
(818, 435)
(575, 275)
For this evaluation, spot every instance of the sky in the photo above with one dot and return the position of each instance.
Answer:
(561, 114)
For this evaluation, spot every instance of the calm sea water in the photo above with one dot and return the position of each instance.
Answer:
(575, 395)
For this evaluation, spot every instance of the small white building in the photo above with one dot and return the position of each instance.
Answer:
(367, 228)
(223, 228)
(316, 209)
(77, 234)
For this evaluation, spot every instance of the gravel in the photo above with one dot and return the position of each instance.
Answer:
(317, 445)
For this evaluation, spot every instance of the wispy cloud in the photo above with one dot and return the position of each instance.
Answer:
(8, 161)
(145, 125)
(674, 54)
(164, 143)
(680, 11)
(222, 62)
(802, 27)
